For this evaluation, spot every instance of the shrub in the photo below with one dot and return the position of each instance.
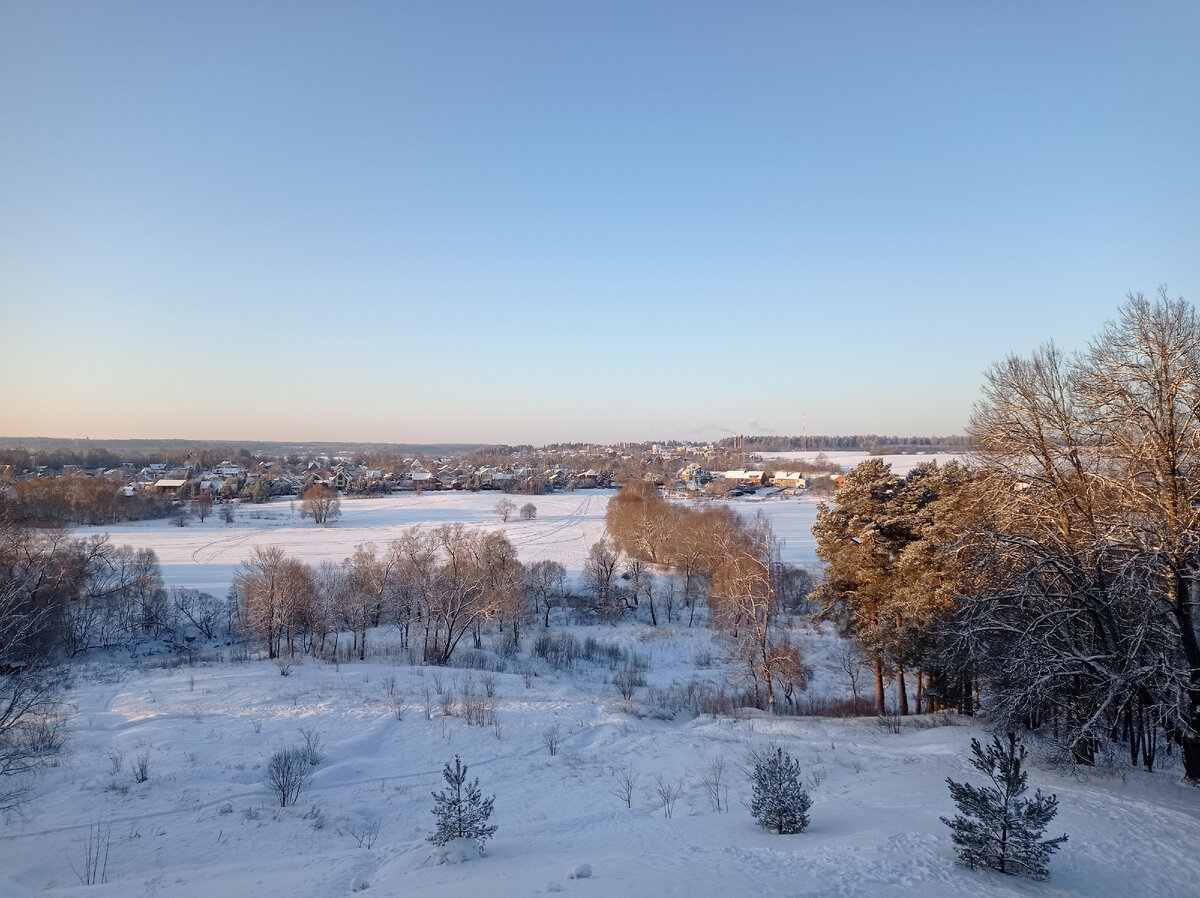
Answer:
(141, 767)
(780, 802)
(289, 774)
(314, 746)
(995, 826)
(627, 680)
(552, 738)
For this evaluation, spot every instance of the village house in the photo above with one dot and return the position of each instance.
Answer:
(747, 478)
(789, 480)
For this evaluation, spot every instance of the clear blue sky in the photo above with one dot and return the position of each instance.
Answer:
(531, 222)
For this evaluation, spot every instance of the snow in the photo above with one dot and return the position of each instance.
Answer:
(456, 851)
(204, 824)
(206, 555)
(901, 464)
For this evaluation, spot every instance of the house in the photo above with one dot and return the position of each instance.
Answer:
(588, 480)
(789, 480)
(557, 478)
(168, 485)
(748, 478)
(420, 480)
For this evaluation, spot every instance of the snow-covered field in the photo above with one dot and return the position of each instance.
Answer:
(901, 464)
(206, 555)
(204, 824)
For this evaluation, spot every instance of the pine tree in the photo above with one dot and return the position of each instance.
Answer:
(995, 827)
(780, 802)
(460, 809)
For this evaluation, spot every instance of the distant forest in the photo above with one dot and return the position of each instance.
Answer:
(53, 451)
(864, 442)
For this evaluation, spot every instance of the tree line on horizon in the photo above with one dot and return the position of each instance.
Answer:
(875, 444)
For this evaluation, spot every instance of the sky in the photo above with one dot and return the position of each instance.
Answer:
(531, 222)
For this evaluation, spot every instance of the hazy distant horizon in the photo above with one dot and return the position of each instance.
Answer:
(23, 442)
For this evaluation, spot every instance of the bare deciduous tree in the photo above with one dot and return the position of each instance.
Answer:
(599, 571)
(545, 580)
(322, 503)
(505, 508)
(1083, 609)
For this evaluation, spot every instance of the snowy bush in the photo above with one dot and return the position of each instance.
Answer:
(580, 871)
(141, 767)
(627, 680)
(625, 781)
(995, 826)
(552, 738)
(314, 747)
(715, 787)
(665, 793)
(288, 774)
(780, 802)
(461, 810)
(365, 832)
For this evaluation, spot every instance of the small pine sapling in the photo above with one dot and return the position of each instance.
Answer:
(461, 810)
(995, 826)
(780, 802)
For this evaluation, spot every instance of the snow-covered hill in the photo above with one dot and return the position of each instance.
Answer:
(204, 824)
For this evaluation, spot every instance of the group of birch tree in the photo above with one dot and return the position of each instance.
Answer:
(435, 587)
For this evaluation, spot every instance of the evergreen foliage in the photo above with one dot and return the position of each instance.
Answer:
(995, 826)
(780, 802)
(460, 809)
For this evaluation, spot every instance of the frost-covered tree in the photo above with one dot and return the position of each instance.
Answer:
(460, 809)
(599, 571)
(780, 802)
(544, 581)
(995, 826)
(1081, 606)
